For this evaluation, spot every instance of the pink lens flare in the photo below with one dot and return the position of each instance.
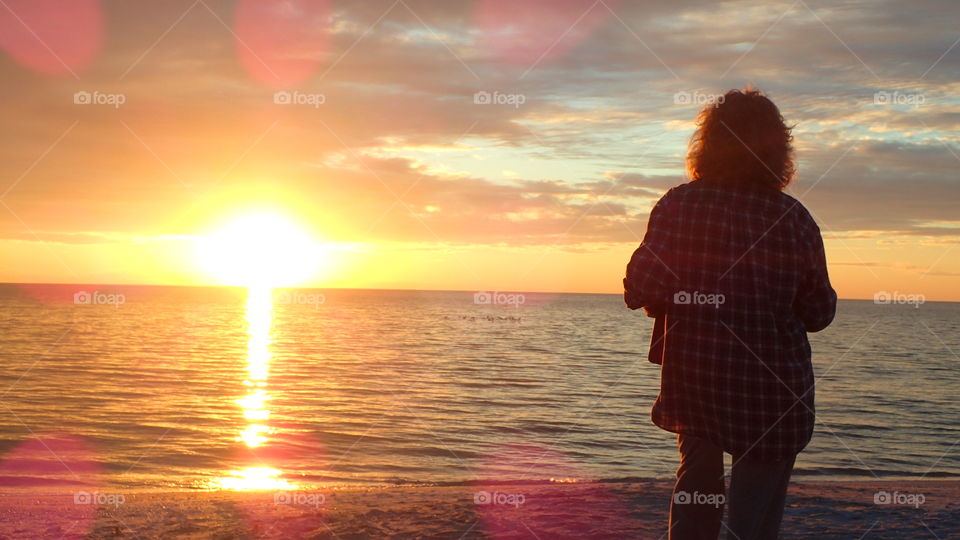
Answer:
(62, 474)
(51, 37)
(537, 31)
(280, 44)
(53, 459)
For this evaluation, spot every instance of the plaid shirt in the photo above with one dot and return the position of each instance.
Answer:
(735, 278)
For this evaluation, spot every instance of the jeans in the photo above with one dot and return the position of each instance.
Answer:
(758, 491)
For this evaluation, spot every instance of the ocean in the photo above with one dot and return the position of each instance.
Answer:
(170, 388)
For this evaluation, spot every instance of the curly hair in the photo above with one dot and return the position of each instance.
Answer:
(742, 140)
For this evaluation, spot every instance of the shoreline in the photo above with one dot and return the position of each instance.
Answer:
(64, 490)
(638, 509)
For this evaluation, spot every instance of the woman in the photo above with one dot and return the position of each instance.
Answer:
(734, 272)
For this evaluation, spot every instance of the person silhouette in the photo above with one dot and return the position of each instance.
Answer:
(734, 273)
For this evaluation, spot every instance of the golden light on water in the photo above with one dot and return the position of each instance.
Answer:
(255, 478)
(254, 435)
(254, 405)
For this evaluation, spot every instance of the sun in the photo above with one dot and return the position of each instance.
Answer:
(259, 250)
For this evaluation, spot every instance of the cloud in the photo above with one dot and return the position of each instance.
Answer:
(400, 151)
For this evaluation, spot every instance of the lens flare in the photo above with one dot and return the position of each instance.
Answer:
(281, 43)
(51, 37)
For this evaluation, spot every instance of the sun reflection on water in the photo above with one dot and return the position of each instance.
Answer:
(252, 478)
(259, 315)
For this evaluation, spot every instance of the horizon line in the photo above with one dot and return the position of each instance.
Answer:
(466, 291)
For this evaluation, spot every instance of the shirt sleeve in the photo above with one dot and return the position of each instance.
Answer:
(816, 301)
(650, 281)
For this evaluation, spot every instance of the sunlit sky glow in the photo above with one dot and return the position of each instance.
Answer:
(398, 179)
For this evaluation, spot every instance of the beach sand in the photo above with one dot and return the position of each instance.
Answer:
(821, 509)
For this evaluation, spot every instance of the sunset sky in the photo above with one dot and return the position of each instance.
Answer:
(385, 161)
